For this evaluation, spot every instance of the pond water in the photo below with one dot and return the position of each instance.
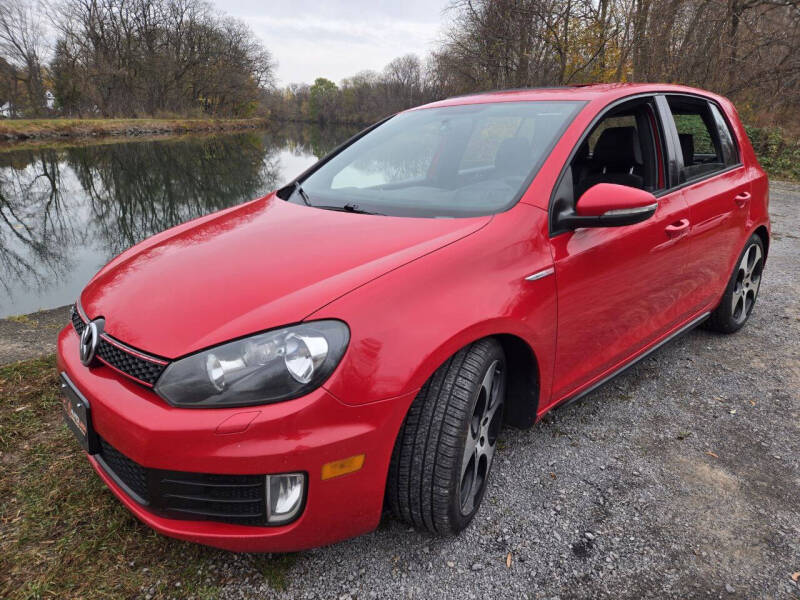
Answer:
(66, 211)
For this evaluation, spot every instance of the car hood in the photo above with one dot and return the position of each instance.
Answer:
(260, 265)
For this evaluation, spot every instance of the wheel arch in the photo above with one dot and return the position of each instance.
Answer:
(761, 231)
(522, 392)
(524, 371)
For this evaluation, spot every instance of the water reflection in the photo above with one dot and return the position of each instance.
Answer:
(65, 212)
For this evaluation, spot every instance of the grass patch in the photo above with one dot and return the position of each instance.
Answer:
(25, 319)
(64, 143)
(274, 569)
(777, 151)
(53, 128)
(64, 535)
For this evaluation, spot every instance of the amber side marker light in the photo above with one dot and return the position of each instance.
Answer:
(337, 468)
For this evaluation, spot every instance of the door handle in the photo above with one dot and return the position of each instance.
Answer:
(678, 229)
(742, 199)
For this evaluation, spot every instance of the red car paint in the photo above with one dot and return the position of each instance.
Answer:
(610, 196)
(413, 291)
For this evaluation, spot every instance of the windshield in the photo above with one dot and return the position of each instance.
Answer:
(456, 161)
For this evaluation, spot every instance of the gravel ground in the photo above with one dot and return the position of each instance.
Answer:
(679, 479)
(30, 336)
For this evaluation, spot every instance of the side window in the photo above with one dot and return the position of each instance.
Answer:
(698, 135)
(623, 148)
(729, 152)
(623, 121)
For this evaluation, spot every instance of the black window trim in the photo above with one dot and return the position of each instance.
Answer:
(678, 157)
(665, 133)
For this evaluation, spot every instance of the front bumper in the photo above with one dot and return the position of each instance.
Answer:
(292, 436)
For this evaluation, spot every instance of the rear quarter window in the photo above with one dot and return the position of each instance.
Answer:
(729, 151)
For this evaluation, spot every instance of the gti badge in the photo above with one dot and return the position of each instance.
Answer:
(89, 340)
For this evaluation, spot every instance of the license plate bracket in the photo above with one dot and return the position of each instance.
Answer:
(78, 415)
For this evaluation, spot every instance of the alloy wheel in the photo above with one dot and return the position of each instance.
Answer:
(748, 281)
(481, 443)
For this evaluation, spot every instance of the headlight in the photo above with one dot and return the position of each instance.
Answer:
(268, 367)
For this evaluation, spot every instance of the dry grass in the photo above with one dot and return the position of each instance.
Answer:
(21, 129)
(64, 535)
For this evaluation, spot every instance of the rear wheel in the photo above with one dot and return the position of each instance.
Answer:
(444, 452)
(740, 296)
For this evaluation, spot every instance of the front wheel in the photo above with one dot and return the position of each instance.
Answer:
(443, 454)
(742, 291)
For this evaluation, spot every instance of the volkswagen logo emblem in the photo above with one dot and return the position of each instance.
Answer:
(89, 340)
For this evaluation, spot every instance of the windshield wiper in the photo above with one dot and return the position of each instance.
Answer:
(351, 208)
(299, 189)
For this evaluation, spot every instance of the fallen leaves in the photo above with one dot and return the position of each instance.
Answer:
(710, 453)
(795, 575)
(508, 561)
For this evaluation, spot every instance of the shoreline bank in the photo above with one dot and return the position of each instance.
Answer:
(13, 130)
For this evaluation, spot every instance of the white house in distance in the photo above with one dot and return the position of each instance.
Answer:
(7, 109)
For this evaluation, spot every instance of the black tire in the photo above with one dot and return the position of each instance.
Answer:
(741, 292)
(425, 486)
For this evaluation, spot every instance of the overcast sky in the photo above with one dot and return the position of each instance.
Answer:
(336, 38)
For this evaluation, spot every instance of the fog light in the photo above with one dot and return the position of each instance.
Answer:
(284, 496)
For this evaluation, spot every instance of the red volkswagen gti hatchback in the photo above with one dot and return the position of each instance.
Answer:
(269, 377)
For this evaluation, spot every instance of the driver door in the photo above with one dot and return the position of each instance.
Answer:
(619, 288)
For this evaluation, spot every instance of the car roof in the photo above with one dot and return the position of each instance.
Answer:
(603, 92)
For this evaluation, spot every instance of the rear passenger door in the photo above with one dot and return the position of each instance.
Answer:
(717, 190)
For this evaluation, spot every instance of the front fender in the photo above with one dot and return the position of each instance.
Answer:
(405, 324)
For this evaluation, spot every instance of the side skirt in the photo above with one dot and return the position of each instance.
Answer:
(689, 326)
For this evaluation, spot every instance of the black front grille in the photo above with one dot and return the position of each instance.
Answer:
(131, 473)
(236, 499)
(230, 498)
(77, 322)
(143, 370)
(138, 368)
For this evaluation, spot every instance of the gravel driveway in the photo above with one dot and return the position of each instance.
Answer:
(680, 478)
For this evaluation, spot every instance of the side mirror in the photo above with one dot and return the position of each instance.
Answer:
(608, 205)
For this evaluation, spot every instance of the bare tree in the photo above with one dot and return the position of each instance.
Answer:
(403, 78)
(154, 57)
(21, 50)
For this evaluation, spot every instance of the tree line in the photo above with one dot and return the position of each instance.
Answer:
(129, 58)
(148, 57)
(748, 50)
